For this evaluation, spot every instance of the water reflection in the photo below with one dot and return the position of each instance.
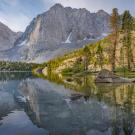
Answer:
(18, 123)
(13, 119)
(5, 76)
(41, 107)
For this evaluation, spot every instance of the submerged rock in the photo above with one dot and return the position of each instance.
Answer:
(106, 76)
(76, 96)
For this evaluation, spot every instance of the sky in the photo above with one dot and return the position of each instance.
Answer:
(17, 14)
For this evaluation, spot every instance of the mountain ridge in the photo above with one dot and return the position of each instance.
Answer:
(58, 31)
(7, 37)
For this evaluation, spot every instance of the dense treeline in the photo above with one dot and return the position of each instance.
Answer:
(16, 66)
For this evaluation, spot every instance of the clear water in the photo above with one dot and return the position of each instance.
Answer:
(33, 106)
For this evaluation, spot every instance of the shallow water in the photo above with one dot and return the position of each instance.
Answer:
(33, 106)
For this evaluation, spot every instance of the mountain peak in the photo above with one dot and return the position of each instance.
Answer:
(58, 27)
(102, 12)
(57, 5)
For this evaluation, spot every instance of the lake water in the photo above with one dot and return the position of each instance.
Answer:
(34, 106)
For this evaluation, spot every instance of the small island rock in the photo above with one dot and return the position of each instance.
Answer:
(106, 76)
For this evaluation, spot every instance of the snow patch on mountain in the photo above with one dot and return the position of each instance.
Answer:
(104, 34)
(68, 39)
(23, 43)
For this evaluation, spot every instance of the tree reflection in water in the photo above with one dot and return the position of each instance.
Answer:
(117, 102)
(104, 109)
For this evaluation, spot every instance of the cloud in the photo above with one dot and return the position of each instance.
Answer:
(66, 3)
(91, 5)
(95, 5)
(17, 22)
(17, 14)
(73, 3)
(11, 2)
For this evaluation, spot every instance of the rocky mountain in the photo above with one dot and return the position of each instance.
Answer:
(7, 37)
(57, 31)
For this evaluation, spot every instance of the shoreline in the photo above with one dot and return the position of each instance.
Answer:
(14, 71)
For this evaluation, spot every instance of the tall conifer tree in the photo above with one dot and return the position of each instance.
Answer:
(115, 26)
(127, 27)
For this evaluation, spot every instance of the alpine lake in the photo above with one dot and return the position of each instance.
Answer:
(71, 106)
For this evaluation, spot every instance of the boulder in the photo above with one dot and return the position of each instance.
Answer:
(76, 96)
(106, 76)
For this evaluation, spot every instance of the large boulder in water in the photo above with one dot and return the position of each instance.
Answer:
(106, 76)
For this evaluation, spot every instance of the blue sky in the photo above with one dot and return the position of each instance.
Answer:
(17, 14)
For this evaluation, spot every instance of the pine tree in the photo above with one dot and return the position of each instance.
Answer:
(100, 56)
(87, 55)
(127, 27)
(115, 25)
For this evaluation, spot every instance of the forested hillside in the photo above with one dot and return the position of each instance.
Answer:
(115, 52)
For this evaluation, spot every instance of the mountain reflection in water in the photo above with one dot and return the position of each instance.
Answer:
(33, 106)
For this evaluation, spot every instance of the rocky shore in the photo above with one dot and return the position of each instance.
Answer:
(106, 76)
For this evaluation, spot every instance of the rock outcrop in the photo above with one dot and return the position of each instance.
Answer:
(106, 76)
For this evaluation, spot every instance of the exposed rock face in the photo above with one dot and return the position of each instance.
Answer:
(7, 37)
(106, 76)
(60, 30)
(53, 33)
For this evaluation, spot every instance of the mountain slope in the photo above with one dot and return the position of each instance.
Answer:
(101, 53)
(60, 30)
(7, 37)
